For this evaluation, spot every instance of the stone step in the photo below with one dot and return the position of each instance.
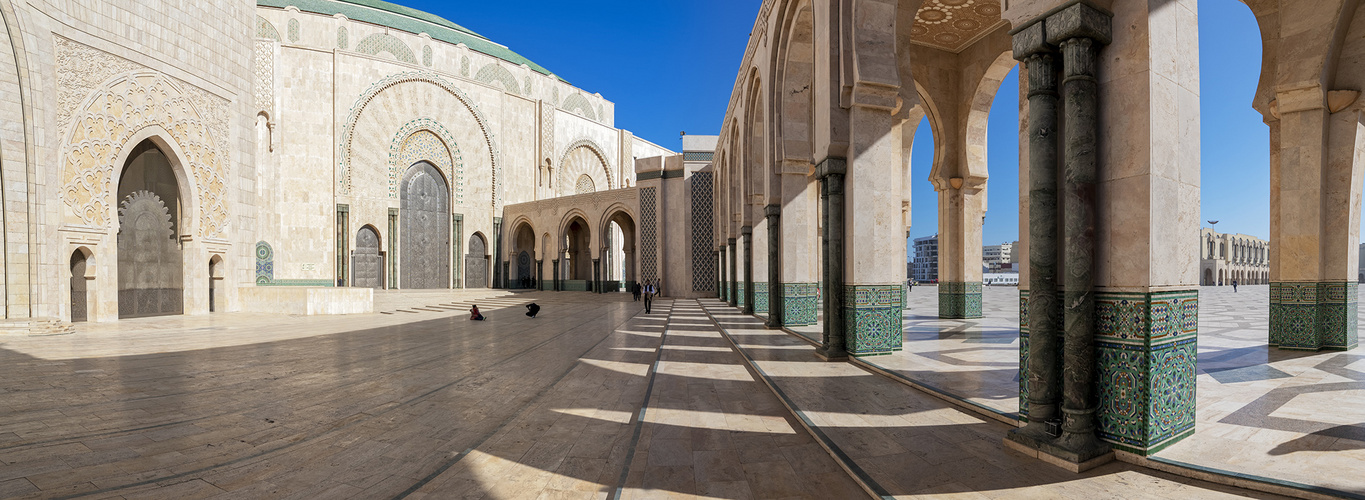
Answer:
(35, 327)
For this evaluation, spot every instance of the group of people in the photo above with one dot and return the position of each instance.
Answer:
(649, 289)
(532, 310)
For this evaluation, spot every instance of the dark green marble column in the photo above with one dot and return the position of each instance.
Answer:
(597, 276)
(555, 271)
(747, 232)
(722, 291)
(775, 311)
(832, 198)
(1080, 90)
(540, 275)
(1043, 375)
(734, 273)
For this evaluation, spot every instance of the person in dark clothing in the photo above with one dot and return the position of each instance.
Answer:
(1234, 286)
(474, 314)
(635, 290)
(532, 309)
(649, 296)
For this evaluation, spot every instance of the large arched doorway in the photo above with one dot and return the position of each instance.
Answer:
(579, 253)
(476, 263)
(425, 228)
(79, 289)
(619, 237)
(150, 264)
(367, 263)
(523, 249)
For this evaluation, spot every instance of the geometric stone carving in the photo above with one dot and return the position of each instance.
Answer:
(585, 185)
(424, 139)
(952, 25)
(578, 104)
(110, 117)
(344, 152)
(583, 157)
(495, 72)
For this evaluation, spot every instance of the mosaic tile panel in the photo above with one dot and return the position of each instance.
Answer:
(959, 300)
(649, 234)
(343, 38)
(740, 294)
(379, 43)
(872, 319)
(703, 233)
(426, 55)
(800, 303)
(760, 297)
(1023, 354)
(293, 30)
(1146, 351)
(266, 30)
(494, 72)
(265, 263)
(1314, 316)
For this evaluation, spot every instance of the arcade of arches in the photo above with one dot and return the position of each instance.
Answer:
(813, 186)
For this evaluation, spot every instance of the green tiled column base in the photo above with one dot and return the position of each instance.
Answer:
(959, 300)
(760, 297)
(872, 319)
(1023, 355)
(1146, 345)
(800, 303)
(1313, 316)
(739, 295)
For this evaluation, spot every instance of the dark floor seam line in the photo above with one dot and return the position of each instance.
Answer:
(529, 402)
(329, 431)
(1012, 419)
(852, 467)
(640, 415)
(1270, 481)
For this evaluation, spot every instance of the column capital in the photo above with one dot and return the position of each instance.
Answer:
(1031, 41)
(832, 166)
(746, 230)
(773, 210)
(1080, 20)
(731, 241)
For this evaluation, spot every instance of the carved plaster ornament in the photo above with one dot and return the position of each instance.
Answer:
(956, 182)
(1338, 100)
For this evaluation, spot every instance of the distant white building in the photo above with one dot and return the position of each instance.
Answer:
(997, 258)
(1227, 257)
(1000, 279)
(926, 259)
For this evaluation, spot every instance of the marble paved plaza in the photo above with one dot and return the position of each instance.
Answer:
(1284, 415)
(593, 399)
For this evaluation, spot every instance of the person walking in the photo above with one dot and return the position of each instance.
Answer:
(1234, 286)
(474, 314)
(649, 296)
(635, 290)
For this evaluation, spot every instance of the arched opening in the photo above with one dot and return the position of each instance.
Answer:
(150, 254)
(215, 283)
(476, 262)
(367, 260)
(80, 299)
(523, 250)
(425, 228)
(619, 238)
(577, 262)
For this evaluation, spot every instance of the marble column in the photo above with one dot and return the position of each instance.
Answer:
(722, 286)
(774, 216)
(734, 273)
(1042, 363)
(758, 290)
(597, 276)
(1080, 47)
(554, 269)
(540, 275)
(747, 290)
(831, 173)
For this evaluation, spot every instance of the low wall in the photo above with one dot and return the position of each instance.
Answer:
(306, 301)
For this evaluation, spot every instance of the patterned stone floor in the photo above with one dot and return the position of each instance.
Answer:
(1285, 415)
(590, 400)
(906, 443)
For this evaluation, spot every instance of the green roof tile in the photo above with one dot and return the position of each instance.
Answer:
(410, 20)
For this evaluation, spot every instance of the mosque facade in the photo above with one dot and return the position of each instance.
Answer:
(289, 156)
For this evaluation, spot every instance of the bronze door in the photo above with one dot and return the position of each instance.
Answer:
(367, 265)
(149, 259)
(425, 229)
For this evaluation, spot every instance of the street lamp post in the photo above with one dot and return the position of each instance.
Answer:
(1214, 224)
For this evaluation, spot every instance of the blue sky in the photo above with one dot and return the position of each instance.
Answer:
(670, 66)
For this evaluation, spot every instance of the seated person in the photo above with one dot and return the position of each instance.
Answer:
(474, 314)
(532, 309)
